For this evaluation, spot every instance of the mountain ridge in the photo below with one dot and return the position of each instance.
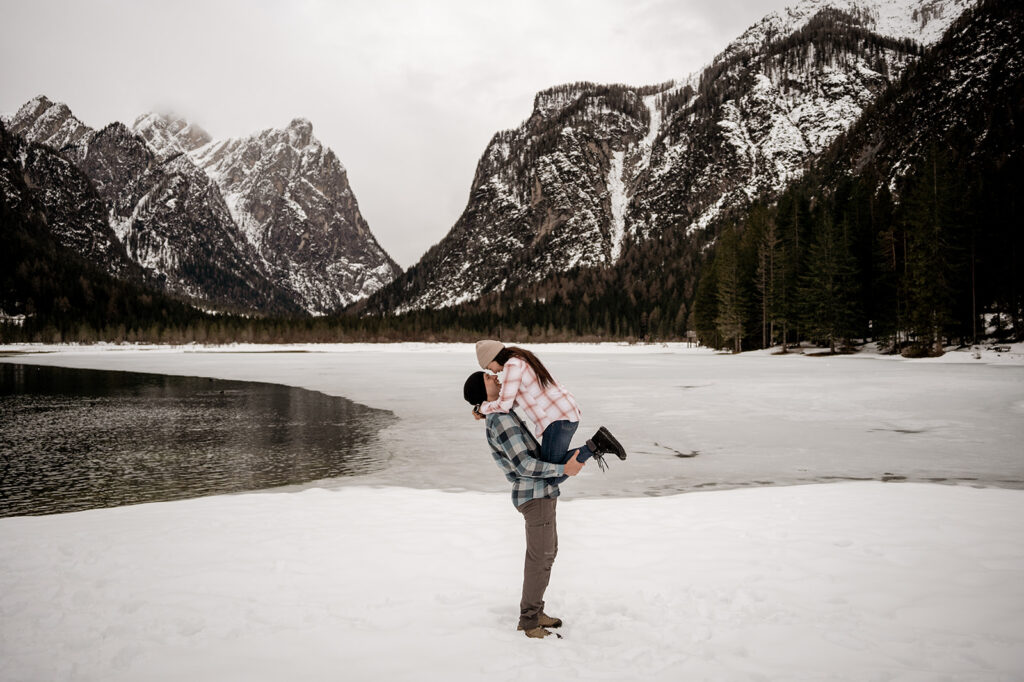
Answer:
(588, 170)
(296, 242)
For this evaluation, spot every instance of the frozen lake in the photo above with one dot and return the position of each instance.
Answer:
(690, 419)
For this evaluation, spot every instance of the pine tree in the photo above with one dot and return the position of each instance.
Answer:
(828, 289)
(929, 222)
(770, 280)
(731, 295)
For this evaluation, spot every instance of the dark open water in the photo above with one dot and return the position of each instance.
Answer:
(74, 439)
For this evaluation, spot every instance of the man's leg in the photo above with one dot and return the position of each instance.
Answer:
(541, 548)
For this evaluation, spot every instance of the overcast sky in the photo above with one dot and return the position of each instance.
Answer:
(406, 93)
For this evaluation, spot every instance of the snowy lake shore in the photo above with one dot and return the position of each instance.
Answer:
(414, 573)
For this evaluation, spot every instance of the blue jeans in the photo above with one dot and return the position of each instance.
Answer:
(554, 444)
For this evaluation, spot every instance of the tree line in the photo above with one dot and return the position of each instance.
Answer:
(941, 267)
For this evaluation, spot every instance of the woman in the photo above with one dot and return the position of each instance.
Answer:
(549, 405)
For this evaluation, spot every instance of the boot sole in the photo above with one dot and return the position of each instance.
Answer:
(521, 628)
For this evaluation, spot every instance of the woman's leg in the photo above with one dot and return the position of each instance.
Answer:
(554, 444)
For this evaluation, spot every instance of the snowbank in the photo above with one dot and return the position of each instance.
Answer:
(855, 581)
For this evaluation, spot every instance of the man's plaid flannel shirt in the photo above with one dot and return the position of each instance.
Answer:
(518, 454)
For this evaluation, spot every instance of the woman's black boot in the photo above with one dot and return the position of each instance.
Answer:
(603, 442)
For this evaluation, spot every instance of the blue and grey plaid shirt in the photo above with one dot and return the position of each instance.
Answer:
(518, 454)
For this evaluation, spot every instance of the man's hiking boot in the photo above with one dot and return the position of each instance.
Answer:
(603, 443)
(538, 633)
(546, 621)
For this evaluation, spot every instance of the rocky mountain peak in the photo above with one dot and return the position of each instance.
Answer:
(300, 133)
(291, 198)
(170, 134)
(50, 123)
(548, 103)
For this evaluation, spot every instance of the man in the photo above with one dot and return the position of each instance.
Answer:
(534, 493)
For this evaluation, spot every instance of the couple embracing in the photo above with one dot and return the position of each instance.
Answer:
(519, 379)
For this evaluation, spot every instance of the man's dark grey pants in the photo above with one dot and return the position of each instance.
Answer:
(541, 548)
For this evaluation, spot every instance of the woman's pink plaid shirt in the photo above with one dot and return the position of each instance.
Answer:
(542, 405)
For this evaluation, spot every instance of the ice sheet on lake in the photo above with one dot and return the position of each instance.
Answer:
(691, 419)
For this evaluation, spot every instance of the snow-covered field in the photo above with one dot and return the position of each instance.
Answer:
(852, 581)
(415, 573)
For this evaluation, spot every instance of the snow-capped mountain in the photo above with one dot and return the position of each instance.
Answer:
(167, 134)
(50, 123)
(165, 212)
(291, 198)
(595, 166)
(264, 223)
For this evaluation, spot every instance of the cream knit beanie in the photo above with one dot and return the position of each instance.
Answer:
(486, 350)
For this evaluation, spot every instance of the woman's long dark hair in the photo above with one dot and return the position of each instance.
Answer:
(529, 358)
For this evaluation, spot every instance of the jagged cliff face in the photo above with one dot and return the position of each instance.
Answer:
(173, 221)
(546, 197)
(291, 198)
(595, 166)
(75, 213)
(263, 223)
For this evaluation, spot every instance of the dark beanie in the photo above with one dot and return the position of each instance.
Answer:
(475, 392)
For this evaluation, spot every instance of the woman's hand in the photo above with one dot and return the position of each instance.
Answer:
(477, 415)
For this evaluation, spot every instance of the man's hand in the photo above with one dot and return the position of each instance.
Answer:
(573, 466)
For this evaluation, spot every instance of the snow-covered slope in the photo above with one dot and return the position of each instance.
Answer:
(291, 199)
(923, 21)
(75, 213)
(965, 93)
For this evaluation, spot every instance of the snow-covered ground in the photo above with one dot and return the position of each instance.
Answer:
(852, 581)
(415, 573)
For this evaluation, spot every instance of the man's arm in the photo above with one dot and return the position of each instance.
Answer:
(505, 434)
